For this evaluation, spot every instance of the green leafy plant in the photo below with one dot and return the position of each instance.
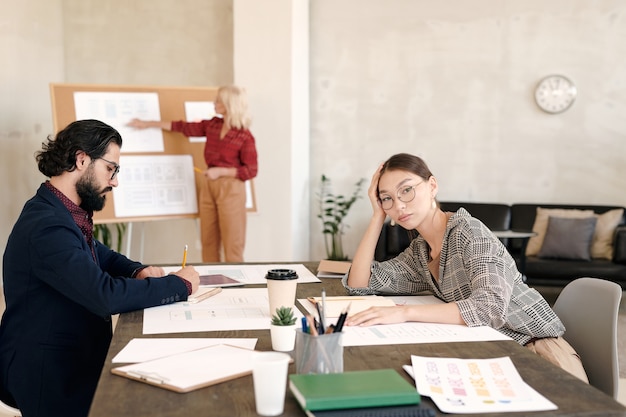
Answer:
(333, 210)
(284, 317)
(104, 234)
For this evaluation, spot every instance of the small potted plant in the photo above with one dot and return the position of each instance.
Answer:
(283, 329)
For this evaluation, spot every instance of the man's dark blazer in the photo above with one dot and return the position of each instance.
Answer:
(56, 328)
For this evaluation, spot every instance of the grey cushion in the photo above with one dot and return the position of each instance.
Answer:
(568, 238)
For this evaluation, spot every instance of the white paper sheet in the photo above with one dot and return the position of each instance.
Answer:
(117, 109)
(406, 333)
(478, 386)
(196, 111)
(232, 309)
(336, 304)
(155, 185)
(147, 349)
(190, 370)
(250, 274)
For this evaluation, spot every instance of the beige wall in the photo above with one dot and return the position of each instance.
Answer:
(451, 81)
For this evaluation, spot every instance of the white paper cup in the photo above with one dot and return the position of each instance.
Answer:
(269, 373)
(281, 288)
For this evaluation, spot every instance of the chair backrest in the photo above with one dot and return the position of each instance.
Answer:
(588, 307)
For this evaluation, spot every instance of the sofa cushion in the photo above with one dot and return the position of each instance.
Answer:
(541, 224)
(602, 243)
(568, 238)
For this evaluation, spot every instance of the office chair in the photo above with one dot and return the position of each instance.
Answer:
(6, 410)
(588, 307)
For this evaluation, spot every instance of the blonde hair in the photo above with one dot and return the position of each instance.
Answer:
(235, 101)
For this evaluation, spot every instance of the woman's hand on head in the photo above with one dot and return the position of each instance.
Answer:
(378, 315)
(372, 193)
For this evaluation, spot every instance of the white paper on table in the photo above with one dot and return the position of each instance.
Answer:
(250, 273)
(191, 370)
(476, 386)
(404, 333)
(336, 304)
(413, 332)
(231, 309)
(146, 349)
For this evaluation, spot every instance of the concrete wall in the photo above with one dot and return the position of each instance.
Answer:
(451, 81)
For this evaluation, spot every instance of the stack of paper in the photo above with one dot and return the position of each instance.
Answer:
(332, 269)
(172, 363)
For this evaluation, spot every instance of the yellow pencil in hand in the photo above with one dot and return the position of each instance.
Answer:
(185, 256)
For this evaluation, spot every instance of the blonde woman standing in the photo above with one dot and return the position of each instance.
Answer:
(231, 159)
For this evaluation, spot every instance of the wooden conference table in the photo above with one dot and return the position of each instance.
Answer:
(118, 396)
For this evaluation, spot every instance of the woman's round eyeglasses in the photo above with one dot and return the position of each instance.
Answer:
(405, 194)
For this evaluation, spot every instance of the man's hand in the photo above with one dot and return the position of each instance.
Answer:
(150, 271)
(190, 274)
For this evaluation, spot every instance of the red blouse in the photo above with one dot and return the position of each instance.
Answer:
(236, 150)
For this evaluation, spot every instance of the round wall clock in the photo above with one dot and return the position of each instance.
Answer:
(555, 94)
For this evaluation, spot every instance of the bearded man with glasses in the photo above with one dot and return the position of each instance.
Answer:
(61, 286)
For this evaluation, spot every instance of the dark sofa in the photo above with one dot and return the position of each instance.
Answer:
(521, 218)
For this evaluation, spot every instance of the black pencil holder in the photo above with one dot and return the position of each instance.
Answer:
(318, 354)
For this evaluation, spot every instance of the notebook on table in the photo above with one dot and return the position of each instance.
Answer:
(355, 389)
(417, 410)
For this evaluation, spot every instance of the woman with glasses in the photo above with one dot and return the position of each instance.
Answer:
(231, 159)
(456, 258)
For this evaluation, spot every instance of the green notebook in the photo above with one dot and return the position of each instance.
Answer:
(356, 389)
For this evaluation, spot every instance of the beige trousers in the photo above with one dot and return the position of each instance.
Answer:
(560, 353)
(222, 207)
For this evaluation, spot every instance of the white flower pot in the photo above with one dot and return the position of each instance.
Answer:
(283, 337)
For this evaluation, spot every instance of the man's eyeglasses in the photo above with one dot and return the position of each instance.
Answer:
(115, 169)
(405, 194)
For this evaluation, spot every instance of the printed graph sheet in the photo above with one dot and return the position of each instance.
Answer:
(475, 386)
(405, 333)
(231, 309)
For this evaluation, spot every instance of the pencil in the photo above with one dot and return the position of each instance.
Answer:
(342, 319)
(206, 295)
(198, 170)
(323, 318)
(311, 325)
(185, 256)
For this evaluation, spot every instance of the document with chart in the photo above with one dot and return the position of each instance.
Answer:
(478, 386)
(401, 333)
(231, 309)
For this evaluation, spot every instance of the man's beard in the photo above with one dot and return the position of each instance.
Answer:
(91, 199)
